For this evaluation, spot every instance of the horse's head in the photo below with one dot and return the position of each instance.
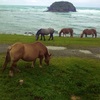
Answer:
(81, 35)
(37, 37)
(47, 59)
(38, 33)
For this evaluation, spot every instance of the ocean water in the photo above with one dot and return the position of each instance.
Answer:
(21, 19)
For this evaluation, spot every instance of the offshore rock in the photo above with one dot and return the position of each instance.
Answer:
(62, 6)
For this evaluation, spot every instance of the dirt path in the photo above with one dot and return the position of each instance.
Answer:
(63, 51)
(89, 52)
(3, 48)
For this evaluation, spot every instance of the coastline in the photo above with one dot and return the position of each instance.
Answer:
(18, 20)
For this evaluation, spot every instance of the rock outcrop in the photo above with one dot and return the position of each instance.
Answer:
(62, 6)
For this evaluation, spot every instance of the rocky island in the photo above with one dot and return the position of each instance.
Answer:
(62, 6)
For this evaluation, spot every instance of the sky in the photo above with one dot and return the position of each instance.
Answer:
(76, 3)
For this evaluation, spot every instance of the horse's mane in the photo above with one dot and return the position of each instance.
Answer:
(38, 32)
(82, 35)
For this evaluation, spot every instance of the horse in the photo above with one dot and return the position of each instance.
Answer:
(89, 32)
(44, 32)
(66, 31)
(28, 52)
(95, 32)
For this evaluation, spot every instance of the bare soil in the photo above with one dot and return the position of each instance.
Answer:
(91, 52)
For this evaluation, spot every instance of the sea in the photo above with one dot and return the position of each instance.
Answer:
(20, 19)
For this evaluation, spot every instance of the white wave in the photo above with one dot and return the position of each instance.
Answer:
(88, 10)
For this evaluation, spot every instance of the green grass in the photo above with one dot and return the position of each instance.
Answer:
(60, 80)
(64, 77)
(75, 42)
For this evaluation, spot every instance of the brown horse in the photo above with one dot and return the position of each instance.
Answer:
(27, 52)
(66, 31)
(89, 32)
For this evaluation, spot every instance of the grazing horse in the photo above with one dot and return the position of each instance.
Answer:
(27, 52)
(89, 32)
(66, 31)
(44, 32)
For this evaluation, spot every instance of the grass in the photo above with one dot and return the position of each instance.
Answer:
(60, 80)
(58, 41)
(63, 78)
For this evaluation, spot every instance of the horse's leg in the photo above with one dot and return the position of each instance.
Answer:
(41, 59)
(95, 34)
(71, 34)
(63, 34)
(44, 37)
(85, 35)
(92, 35)
(41, 37)
(52, 36)
(49, 37)
(16, 69)
(11, 72)
(33, 63)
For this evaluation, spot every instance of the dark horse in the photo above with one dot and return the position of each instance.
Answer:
(66, 31)
(44, 32)
(89, 32)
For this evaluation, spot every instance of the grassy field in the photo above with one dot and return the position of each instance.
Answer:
(58, 41)
(65, 78)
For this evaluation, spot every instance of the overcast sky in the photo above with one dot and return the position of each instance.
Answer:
(77, 3)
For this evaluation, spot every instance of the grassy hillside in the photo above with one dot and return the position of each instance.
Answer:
(65, 78)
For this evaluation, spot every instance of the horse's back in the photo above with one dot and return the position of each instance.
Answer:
(47, 31)
(16, 47)
(67, 30)
(34, 50)
(94, 31)
(27, 51)
(40, 46)
(89, 31)
(16, 51)
(86, 31)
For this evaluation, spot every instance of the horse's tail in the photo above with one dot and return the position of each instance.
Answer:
(71, 32)
(7, 58)
(95, 34)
